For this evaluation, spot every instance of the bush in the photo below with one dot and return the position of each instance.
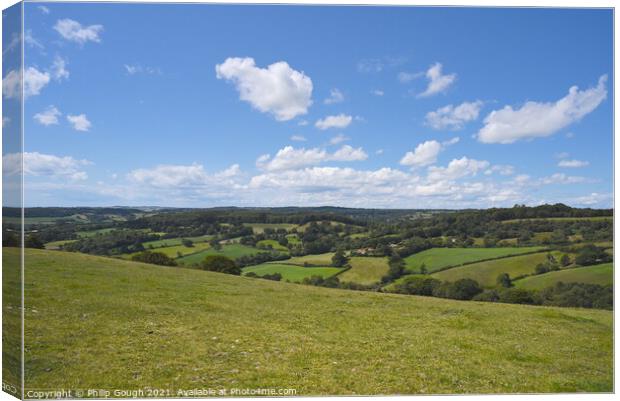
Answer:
(221, 264)
(591, 255)
(417, 286)
(156, 258)
(487, 296)
(463, 289)
(578, 295)
(517, 296)
(339, 260)
(504, 280)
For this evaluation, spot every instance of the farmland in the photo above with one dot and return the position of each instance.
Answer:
(290, 272)
(365, 270)
(602, 274)
(232, 251)
(324, 259)
(326, 345)
(439, 258)
(486, 273)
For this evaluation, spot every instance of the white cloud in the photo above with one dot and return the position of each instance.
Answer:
(424, 154)
(561, 178)
(573, 163)
(48, 117)
(561, 155)
(302, 123)
(379, 151)
(437, 82)
(133, 69)
(535, 119)
(298, 138)
(43, 165)
(502, 169)
(338, 121)
(289, 158)
(338, 139)
(370, 65)
(335, 96)
(595, 198)
(453, 117)
(79, 122)
(5, 121)
(178, 177)
(278, 89)
(59, 71)
(377, 92)
(34, 82)
(406, 77)
(31, 41)
(456, 169)
(44, 9)
(75, 32)
(12, 45)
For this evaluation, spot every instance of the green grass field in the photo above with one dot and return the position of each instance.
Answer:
(292, 272)
(598, 218)
(486, 273)
(92, 233)
(176, 241)
(94, 322)
(274, 245)
(232, 251)
(365, 270)
(293, 239)
(323, 259)
(438, 258)
(57, 244)
(259, 228)
(602, 274)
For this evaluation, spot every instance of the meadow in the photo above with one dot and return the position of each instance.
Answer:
(436, 259)
(290, 272)
(232, 251)
(259, 228)
(95, 322)
(365, 270)
(602, 274)
(323, 259)
(486, 272)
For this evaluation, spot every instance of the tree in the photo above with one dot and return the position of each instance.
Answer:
(504, 280)
(423, 269)
(590, 255)
(339, 260)
(221, 264)
(187, 242)
(156, 258)
(215, 244)
(33, 241)
(565, 260)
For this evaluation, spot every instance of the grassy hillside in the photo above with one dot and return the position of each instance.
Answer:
(365, 270)
(292, 272)
(438, 258)
(324, 259)
(95, 322)
(602, 274)
(232, 251)
(486, 273)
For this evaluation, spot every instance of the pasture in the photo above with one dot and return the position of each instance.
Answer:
(602, 274)
(323, 259)
(232, 251)
(93, 322)
(259, 228)
(365, 270)
(271, 244)
(436, 259)
(175, 241)
(561, 219)
(292, 272)
(485, 273)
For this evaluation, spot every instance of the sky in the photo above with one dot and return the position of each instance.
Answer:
(378, 107)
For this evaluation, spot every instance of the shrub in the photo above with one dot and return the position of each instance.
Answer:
(156, 258)
(504, 280)
(463, 289)
(517, 296)
(487, 296)
(417, 286)
(221, 264)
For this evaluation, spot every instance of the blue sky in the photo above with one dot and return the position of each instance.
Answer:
(201, 105)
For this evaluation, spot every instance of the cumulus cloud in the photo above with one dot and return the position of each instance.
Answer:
(338, 121)
(377, 92)
(453, 117)
(79, 122)
(289, 158)
(406, 77)
(30, 40)
(536, 119)
(278, 89)
(74, 31)
(44, 9)
(173, 176)
(44, 165)
(48, 117)
(298, 138)
(437, 81)
(502, 169)
(335, 96)
(338, 139)
(370, 65)
(456, 169)
(59, 70)
(133, 69)
(426, 153)
(573, 163)
(34, 82)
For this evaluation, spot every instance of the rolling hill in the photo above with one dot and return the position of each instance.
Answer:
(94, 322)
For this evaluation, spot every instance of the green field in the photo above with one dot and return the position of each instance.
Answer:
(259, 228)
(602, 274)
(28, 221)
(232, 251)
(92, 233)
(365, 270)
(323, 259)
(485, 273)
(439, 258)
(266, 243)
(292, 272)
(598, 218)
(94, 322)
(293, 239)
(175, 241)
(57, 244)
